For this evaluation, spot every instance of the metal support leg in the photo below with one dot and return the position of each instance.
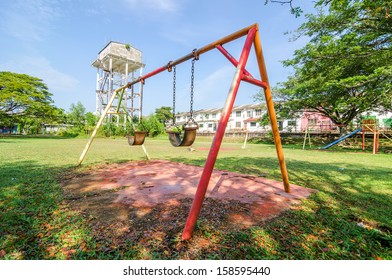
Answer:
(271, 112)
(207, 171)
(108, 106)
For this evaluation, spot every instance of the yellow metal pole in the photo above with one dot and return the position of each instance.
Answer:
(306, 132)
(99, 124)
(271, 111)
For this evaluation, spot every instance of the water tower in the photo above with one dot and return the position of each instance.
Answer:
(117, 65)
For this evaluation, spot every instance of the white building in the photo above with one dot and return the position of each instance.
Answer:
(248, 118)
(384, 119)
(243, 118)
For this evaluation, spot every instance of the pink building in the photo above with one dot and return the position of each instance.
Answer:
(315, 121)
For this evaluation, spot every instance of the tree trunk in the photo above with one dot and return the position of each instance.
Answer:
(342, 130)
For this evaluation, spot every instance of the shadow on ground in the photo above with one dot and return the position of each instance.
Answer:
(344, 220)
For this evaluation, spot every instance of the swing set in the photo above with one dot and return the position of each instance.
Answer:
(176, 139)
(191, 125)
(139, 135)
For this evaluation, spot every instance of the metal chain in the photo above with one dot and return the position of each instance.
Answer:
(192, 88)
(174, 96)
(141, 101)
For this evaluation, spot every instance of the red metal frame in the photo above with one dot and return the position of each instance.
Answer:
(211, 159)
(247, 77)
(241, 74)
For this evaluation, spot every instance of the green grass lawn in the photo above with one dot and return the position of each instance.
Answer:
(348, 218)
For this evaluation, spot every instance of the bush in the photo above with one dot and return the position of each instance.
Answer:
(69, 132)
(153, 126)
(149, 124)
(387, 123)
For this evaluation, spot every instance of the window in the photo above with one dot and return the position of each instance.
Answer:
(249, 114)
(280, 125)
(312, 121)
(210, 125)
(238, 114)
(252, 124)
(258, 112)
(214, 115)
(207, 116)
(201, 125)
(291, 123)
(238, 124)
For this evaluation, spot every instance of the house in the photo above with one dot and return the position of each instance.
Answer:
(9, 129)
(316, 122)
(55, 128)
(242, 118)
(248, 118)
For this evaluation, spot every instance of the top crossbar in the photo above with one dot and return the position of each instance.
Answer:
(198, 52)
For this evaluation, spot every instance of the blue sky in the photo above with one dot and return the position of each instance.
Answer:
(57, 40)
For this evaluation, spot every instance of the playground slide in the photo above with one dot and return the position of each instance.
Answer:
(341, 139)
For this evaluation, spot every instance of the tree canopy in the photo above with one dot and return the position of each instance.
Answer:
(345, 69)
(77, 114)
(24, 99)
(164, 114)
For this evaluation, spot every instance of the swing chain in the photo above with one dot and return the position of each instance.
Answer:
(141, 101)
(192, 88)
(195, 57)
(174, 96)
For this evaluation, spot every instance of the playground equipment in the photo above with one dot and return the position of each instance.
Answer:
(370, 125)
(341, 139)
(241, 74)
(245, 140)
(307, 134)
(137, 139)
(139, 135)
(367, 126)
(191, 125)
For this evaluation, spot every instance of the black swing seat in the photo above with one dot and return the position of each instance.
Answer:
(137, 139)
(187, 139)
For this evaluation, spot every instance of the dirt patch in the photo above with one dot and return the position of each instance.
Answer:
(151, 199)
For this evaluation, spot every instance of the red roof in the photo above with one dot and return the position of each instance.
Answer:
(252, 120)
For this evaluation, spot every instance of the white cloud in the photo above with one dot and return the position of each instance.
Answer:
(170, 6)
(59, 83)
(57, 80)
(29, 20)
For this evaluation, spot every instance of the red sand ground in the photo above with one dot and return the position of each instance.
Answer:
(145, 184)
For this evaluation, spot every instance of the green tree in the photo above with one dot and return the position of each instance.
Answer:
(345, 69)
(153, 125)
(164, 114)
(91, 119)
(77, 115)
(25, 100)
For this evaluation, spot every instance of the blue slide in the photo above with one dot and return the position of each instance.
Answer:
(341, 139)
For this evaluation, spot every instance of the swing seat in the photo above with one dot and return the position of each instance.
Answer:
(137, 139)
(187, 139)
